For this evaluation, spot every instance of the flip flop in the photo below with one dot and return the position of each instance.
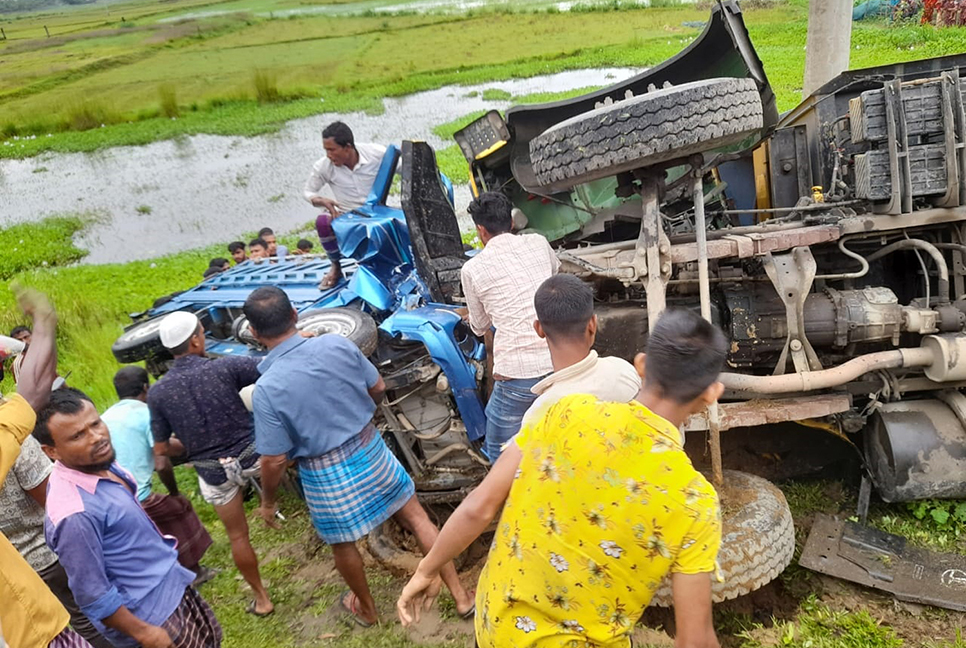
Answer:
(469, 614)
(251, 610)
(351, 609)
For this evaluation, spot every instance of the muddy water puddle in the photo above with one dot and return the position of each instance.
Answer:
(193, 191)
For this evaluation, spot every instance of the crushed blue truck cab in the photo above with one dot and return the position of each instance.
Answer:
(383, 305)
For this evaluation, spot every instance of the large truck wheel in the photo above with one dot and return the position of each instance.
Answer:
(140, 342)
(350, 323)
(662, 125)
(757, 538)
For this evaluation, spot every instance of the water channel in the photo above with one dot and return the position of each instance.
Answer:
(179, 194)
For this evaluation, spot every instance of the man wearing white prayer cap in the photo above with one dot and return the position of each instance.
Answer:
(197, 401)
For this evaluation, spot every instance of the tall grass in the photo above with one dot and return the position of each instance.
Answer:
(169, 100)
(266, 87)
(85, 114)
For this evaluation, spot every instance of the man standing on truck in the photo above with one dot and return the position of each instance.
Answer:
(314, 403)
(348, 170)
(600, 503)
(499, 284)
(198, 401)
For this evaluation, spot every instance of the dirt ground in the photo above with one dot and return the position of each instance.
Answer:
(759, 619)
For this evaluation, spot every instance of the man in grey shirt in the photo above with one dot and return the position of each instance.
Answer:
(23, 496)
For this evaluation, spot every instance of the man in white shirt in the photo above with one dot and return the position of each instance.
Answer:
(499, 284)
(349, 170)
(566, 320)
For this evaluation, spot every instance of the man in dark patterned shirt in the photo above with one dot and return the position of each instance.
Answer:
(197, 401)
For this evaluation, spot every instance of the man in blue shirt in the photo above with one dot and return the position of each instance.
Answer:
(129, 423)
(314, 402)
(124, 574)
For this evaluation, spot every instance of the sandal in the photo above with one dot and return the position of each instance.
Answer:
(351, 608)
(469, 614)
(251, 610)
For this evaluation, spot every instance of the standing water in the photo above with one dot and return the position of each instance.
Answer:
(189, 192)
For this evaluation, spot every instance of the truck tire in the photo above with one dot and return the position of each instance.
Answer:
(350, 323)
(140, 342)
(662, 125)
(757, 538)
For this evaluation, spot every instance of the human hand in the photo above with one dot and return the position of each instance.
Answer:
(327, 204)
(267, 513)
(154, 637)
(34, 304)
(420, 592)
(464, 313)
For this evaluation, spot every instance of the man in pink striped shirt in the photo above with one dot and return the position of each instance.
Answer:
(499, 284)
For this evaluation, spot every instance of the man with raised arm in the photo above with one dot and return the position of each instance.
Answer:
(30, 615)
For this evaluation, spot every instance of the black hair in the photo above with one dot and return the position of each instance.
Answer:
(65, 400)
(340, 133)
(210, 271)
(304, 244)
(492, 211)
(258, 241)
(564, 305)
(18, 330)
(130, 381)
(234, 246)
(265, 231)
(217, 262)
(685, 354)
(269, 311)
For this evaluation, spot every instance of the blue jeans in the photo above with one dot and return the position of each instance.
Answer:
(504, 412)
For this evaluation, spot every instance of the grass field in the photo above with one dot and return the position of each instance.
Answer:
(245, 67)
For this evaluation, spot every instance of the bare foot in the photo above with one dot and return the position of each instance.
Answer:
(333, 277)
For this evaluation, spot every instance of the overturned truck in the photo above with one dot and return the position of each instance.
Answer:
(828, 243)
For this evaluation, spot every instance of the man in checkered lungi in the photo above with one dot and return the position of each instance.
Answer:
(314, 403)
(124, 574)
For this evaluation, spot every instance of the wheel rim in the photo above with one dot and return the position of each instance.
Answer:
(142, 331)
(338, 323)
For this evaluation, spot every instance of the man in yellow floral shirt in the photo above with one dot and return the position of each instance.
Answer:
(600, 504)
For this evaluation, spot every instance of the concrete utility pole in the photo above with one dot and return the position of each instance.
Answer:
(828, 43)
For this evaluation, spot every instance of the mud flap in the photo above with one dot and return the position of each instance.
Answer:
(884, 562)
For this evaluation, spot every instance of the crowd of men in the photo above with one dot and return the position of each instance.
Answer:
(597, 501)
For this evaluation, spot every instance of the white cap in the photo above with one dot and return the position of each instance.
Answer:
(177, 327)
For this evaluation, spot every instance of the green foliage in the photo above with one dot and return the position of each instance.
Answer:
(495, 94)
(472, 238)
(818, 626)
(144, 209)
(266, 87)
(84, 115)
(453, 165)
(945, 514)
(169, 100)
(48, 243)
(446, 131)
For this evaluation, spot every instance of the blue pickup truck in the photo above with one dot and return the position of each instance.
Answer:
(431, 363)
